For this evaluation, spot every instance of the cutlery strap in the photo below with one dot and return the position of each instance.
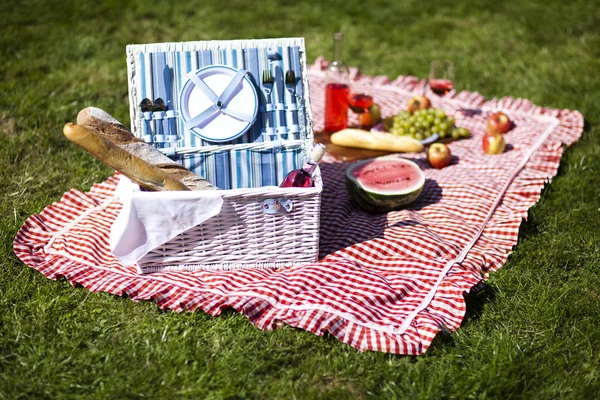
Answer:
(172, 126)
(273, 107)
(147, 126)
(269, 131)
(282, 130)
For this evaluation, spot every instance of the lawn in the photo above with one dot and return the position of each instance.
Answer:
(532, 332)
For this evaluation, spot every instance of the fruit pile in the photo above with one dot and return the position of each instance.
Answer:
(423, 123)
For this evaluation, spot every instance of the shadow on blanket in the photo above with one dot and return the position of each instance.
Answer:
(340, 217)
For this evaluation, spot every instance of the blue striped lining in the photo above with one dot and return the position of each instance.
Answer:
(254, 60)
(244, 168)
(236, 168)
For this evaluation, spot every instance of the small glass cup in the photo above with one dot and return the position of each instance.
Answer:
(441, 77)
(360, 104)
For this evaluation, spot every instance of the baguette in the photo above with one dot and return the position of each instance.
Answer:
(376, 141)
(104, 125)
(136, 169)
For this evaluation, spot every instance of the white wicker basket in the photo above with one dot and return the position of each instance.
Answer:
(258, 226)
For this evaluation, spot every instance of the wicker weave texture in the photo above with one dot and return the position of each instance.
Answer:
(242, 235)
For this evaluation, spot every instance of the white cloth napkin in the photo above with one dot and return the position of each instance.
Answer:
(149, 219)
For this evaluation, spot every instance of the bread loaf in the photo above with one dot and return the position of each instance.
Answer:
(136, 169)
(376, 141)
(104, 125)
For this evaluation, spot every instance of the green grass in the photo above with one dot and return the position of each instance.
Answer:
(531, 333)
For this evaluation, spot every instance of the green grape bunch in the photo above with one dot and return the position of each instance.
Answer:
(423, 123)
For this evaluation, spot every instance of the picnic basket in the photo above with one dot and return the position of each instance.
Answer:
(260, 225)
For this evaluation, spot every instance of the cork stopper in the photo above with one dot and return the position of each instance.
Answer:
(318, 152)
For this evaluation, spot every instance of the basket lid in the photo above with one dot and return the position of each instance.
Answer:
(259, 114)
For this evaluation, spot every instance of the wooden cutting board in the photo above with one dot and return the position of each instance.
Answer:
(346, 153)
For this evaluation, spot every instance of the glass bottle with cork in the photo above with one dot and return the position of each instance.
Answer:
(337, 89)
(303, 177)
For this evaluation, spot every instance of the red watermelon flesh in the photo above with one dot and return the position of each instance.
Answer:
(384, 184)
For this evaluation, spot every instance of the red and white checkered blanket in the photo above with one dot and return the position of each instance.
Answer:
(386, 282)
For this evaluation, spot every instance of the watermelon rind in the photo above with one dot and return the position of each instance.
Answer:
(379, 202)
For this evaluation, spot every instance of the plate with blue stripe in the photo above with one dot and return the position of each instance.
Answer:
(229, 111)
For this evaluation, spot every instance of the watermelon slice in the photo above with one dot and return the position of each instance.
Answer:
(384, 184)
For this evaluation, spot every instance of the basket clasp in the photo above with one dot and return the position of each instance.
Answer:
(281, 205)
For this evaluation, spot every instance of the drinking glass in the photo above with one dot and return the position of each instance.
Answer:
(441, 77)
(360, 104)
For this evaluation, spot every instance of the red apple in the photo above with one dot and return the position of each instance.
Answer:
(493, 143)
(498, 123)
(438, 155)
(418, 103)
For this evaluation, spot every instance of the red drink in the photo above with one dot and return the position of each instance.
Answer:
(336, 107)
(360, 103)
(440, 86)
